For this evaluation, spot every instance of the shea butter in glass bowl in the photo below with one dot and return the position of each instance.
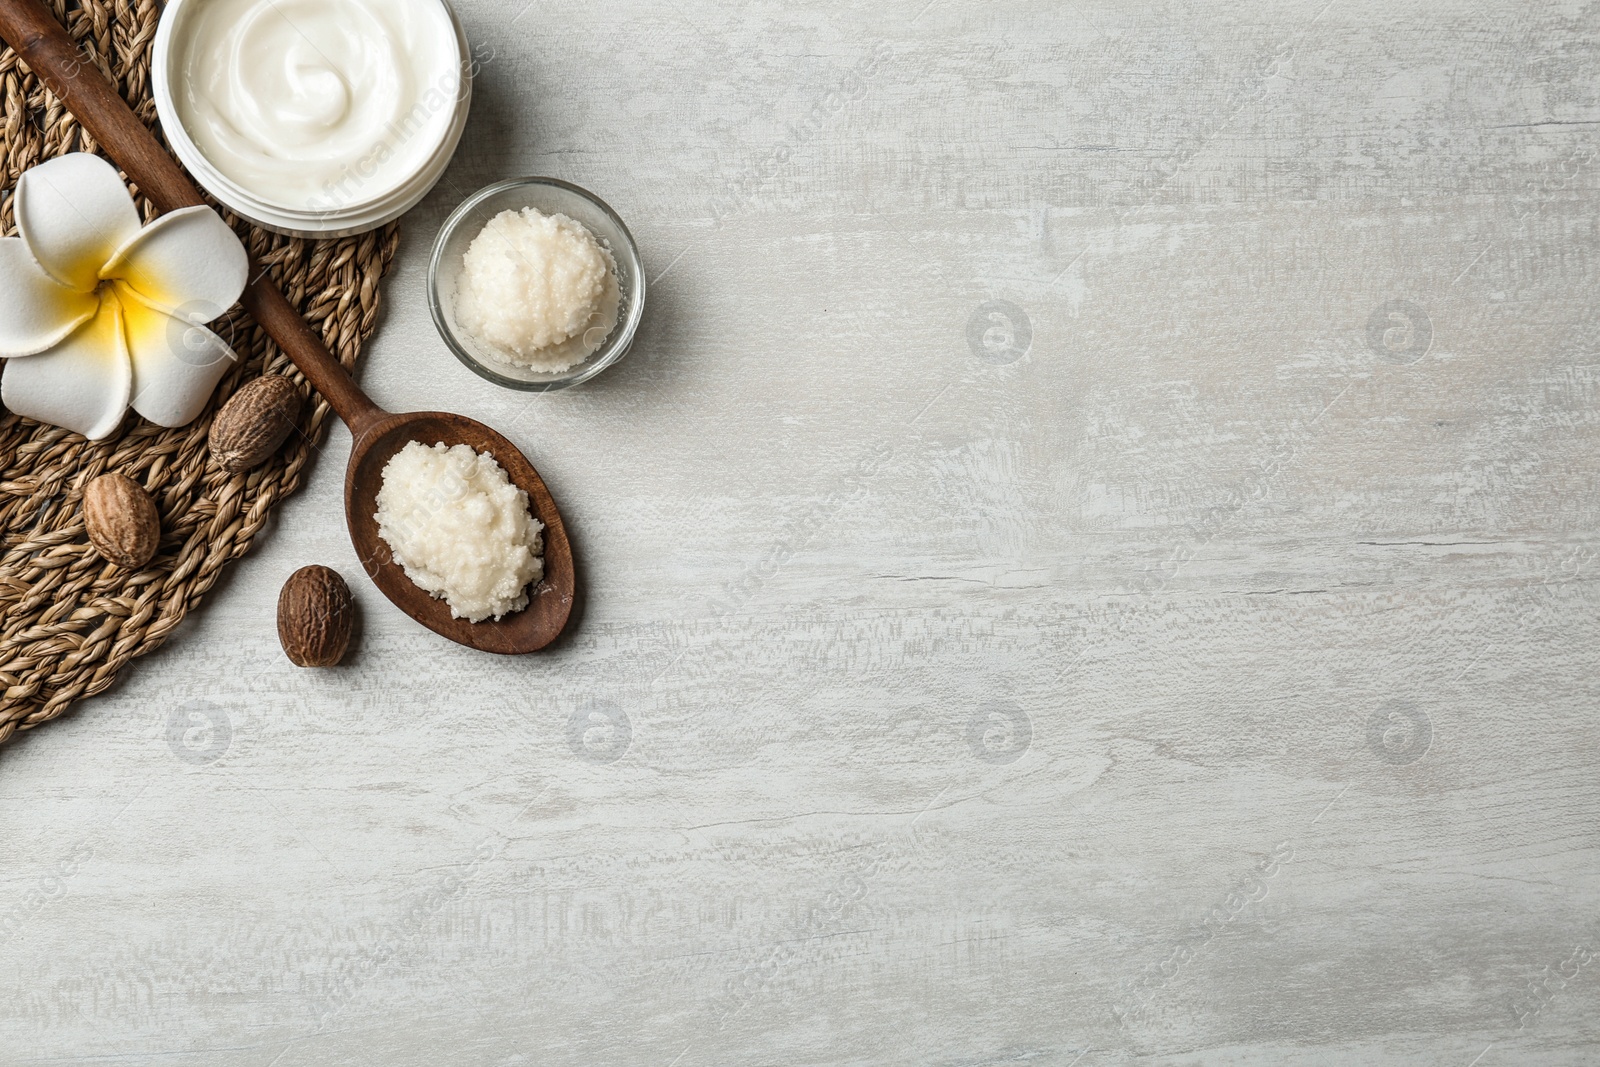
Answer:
(549, 196)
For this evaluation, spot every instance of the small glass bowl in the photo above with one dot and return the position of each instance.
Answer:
(549, 195)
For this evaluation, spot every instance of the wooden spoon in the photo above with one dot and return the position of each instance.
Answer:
(42, 43)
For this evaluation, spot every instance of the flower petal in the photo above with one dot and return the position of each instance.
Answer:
(187, 263)
(36, 311)
(176, 364)
(74, 212)
(82, 383)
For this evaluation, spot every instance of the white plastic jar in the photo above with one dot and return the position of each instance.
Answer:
(316, 118)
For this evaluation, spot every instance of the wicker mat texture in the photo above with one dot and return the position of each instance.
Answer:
(69, 623)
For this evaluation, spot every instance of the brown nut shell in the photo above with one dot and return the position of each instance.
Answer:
(121, 520)
(315, 617)
(254, 423)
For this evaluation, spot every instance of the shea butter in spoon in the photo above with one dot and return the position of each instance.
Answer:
(459, 529)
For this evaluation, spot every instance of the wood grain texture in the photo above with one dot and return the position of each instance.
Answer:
(1089, 560)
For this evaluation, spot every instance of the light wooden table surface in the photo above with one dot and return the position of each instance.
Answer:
(1091, 561)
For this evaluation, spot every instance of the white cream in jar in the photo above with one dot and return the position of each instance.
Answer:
(317, 105)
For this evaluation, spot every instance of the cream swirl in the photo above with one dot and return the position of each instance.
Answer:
(316, 104)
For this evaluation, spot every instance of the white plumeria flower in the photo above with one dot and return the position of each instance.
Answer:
(97, 313)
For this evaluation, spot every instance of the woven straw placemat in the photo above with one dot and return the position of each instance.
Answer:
(69, 623)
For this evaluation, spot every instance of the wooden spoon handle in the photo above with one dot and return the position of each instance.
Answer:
(42, 42)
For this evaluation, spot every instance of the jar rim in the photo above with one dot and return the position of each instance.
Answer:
(350, 218)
